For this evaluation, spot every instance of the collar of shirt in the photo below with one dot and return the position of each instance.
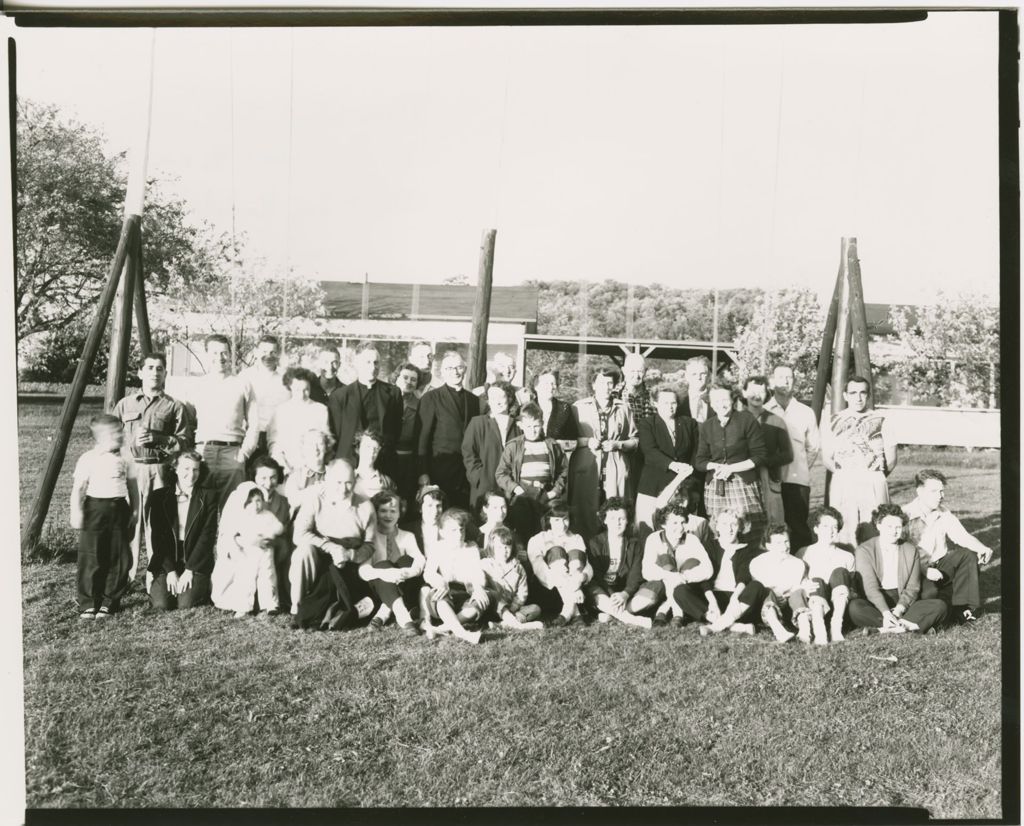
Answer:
(182, 494)
(368, 385)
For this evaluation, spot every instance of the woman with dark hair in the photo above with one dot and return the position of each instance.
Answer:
(293, 418)
(889, 570)
(731, 448)
(598, 469)
(615, 557)
(431, 503)
(485, 438)
(830, 572)
(369, 479)
(558, 421)
(669, 443)
(550, 588)
(395, 569)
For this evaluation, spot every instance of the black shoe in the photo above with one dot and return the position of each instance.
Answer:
(559, 622)
(376, 624)
(678, 622)
(965, 616)
(660, 620)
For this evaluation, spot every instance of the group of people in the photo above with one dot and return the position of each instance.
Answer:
(445, 509)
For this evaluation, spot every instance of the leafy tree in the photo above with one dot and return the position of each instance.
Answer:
(950, 350)
(241, 299)
(68, 216)
(786, 328)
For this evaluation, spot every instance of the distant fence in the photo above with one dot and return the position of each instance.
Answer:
(952, 426)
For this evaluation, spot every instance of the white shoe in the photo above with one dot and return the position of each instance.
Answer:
(742, 628)
(603, 617)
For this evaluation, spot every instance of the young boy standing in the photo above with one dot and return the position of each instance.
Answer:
(104, 509)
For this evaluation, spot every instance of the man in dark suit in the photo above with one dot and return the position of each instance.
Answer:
(327, 362)
(697, 407)
(559, 423)
(366, 403)
(184, 533)
(444, 415)
(669, 444)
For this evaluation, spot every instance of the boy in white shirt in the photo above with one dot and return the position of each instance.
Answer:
(104, 509)
(783, 576)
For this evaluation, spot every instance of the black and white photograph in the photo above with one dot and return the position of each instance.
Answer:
(448, 408)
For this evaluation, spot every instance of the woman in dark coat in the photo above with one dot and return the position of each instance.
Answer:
(485, 439)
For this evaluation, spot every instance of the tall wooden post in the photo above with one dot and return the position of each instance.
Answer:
(859, 318)
(58, 448)
(841, 351)
(121, 327)
(827, 340)
(476, 373)
(714, 339)
(581, 360)
(141, 312)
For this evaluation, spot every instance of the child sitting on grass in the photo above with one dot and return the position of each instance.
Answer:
(830, 570)
(104, 509)
(783, 577)
(255, 572)
(506, 583)
(567, 572)
(455, 590)
(556, 534)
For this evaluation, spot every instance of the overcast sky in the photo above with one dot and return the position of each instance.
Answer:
(698, 156)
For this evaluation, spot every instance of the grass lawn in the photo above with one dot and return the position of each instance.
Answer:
(197, 708)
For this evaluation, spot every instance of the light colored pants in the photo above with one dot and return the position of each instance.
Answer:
(255, 577)
(306, 563)
(150, 478)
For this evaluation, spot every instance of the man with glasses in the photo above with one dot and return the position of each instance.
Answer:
(444, 414)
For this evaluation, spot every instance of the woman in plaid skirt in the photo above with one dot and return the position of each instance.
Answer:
(730, 448)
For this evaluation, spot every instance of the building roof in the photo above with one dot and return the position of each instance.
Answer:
(449, 302)
(617, 347)
(878, 317)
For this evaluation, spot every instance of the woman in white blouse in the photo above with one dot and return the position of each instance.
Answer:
(396, 567)
(292, 419)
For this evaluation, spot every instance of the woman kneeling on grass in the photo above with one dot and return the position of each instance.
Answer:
(672, 557)
(830, 570)
(455, 590)
(394, 571)
(616, 559)
(506, 583)
(731, 600)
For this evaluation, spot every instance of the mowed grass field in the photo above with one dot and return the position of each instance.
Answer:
(199, 709)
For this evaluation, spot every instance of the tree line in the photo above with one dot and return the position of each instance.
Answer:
(68, 213)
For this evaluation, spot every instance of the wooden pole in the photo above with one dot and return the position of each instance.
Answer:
(859, 318)
(121, 327)
(841, 362)
(58, 448)
(825, 357)
(141, 312)
(476, 373)
(581, 361)
(714, 340)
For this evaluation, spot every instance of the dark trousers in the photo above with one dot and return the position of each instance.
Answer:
(840, 576)
(197, 594)
(104, 553)
(796, 502)
(390, 592)
(524, 516)
(690, 597)
(924, 613)
(959, 575)
(225, 471)
(405, 476)
(262, 449)
(448, 472)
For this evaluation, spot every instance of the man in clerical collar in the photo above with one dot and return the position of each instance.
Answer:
(444, 415)
(155, 428)
(364, 404)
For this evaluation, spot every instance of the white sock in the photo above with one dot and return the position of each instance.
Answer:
(402, 615)
(383, 613)
(364, 607)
